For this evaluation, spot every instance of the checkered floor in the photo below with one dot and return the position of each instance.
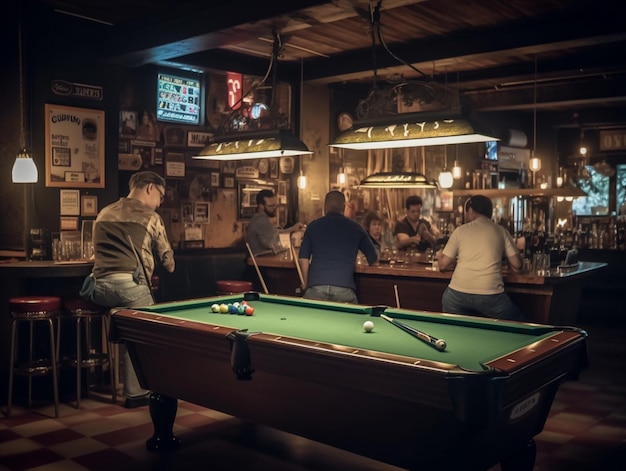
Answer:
(586, 431)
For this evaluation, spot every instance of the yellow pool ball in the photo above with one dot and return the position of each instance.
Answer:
(223, 308)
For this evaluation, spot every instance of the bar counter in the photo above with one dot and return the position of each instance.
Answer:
(551, 299)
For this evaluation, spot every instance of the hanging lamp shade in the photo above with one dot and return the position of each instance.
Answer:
(254, 145)
(411, 130)
(445, 179)
(397, 180)
(24, 169)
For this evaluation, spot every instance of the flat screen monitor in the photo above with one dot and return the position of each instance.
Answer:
(491, 150)
(180, 97)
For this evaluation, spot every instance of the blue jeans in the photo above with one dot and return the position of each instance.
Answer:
(120, 290)
(498, 306)
(331, 293)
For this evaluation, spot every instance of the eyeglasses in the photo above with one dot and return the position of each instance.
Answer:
(161, 193)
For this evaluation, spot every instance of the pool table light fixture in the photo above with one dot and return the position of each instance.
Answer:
(256, 145)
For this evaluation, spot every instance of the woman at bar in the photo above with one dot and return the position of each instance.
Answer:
(373, 225)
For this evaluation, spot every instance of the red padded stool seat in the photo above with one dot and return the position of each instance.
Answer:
(34, 306)
(31, 310)
(89, 352)
(233, 286)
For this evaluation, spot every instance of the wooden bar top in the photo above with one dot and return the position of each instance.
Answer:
(45, 268)
(423, 269)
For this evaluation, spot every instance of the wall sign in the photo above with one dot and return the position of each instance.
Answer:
(82, 90)
(613, 140)
(74, 147)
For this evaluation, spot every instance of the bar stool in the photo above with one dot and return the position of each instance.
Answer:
(89, 353)
(233, 286)
(33, 310)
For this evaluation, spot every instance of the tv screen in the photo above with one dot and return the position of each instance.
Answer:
(491, 150)
(180, 97)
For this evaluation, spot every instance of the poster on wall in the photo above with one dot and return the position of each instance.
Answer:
(74, 147)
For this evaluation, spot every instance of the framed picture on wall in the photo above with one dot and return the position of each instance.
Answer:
(128, 124)
(68, 223)
(89, 205)
(201, 212)
(215, 179)
(273, 168)
(69, 202)
(74, 147)
(186, 211)
(175, 165)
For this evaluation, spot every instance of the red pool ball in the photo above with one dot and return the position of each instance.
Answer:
(249, 310)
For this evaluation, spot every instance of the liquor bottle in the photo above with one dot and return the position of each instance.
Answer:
(593, 237)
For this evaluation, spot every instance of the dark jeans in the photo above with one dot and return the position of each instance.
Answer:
(331, 293)
(498, 306)
(120, 290)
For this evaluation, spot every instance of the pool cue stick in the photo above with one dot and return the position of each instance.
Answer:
(140, 262)
(395, 290)
(298, 268)
(256, 267)
(439, 344)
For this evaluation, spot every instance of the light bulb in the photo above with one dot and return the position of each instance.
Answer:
(535, 164)
(341, 177)
(301, 181)
(457, 171)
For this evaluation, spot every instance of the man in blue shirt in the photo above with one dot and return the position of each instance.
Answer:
(328, 253)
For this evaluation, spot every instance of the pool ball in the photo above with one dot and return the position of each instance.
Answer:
(249, 310)
(236, 304)
(368, 326)
(241, 309)
(232, 309)
(215, 308)
(223, 308)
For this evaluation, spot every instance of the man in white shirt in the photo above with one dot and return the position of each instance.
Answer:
(475, 252)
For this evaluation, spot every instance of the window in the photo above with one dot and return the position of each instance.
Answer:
(596, 203)
(621, 189)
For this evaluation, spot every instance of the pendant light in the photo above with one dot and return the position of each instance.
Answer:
(278, 141)
(24, 169)
(445, 178)
(457, 170)
(534, 164)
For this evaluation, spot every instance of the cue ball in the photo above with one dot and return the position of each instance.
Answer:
(215, 308)
(368, 326)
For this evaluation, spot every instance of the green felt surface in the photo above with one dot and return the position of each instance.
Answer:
(470, 341)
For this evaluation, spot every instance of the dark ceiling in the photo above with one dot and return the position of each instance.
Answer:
(562, 56)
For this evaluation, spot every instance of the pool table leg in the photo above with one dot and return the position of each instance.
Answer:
(162, 412)
(521, 460)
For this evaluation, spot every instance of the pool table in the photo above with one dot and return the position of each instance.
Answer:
(309, 368)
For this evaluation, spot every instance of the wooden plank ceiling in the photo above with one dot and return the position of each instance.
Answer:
(562, 56)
